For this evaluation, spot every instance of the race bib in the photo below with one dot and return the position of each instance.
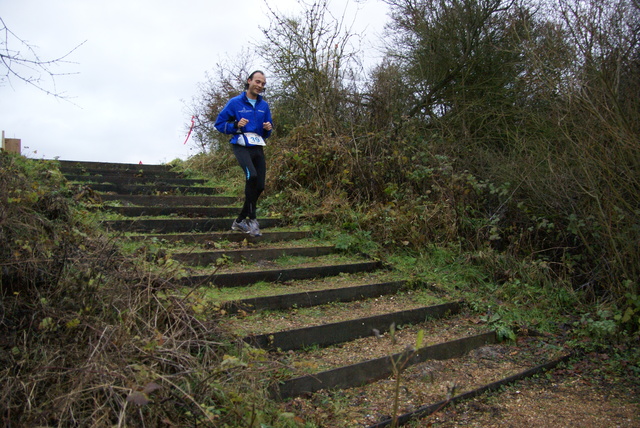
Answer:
(254, 139)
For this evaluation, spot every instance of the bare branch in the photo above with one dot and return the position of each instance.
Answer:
(23, 63)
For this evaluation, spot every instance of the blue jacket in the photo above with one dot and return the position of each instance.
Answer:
(238, 108)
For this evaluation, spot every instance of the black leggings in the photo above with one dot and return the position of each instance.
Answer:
(254, 166)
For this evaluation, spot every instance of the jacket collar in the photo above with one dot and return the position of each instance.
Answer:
(246, 98)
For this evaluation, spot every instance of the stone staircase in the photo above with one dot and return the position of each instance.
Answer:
(352, 336)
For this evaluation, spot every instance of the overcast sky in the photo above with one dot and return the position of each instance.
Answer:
(136, 71)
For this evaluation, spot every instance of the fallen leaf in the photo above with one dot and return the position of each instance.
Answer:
(139, 398)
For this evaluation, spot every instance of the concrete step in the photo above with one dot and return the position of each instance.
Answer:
(338, 332)
(204, 258)
(135, 179)
(169, 200)
(379, 368)
(238, 279)
(181, 225)
(152, 189)
(71, 166)
(209, 239)
(181, 211)
(313, 298)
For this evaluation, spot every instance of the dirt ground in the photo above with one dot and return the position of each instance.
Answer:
(581, 393)
(562, 398)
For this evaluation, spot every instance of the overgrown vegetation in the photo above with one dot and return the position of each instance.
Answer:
(507, 129)
(493, 155)
(90, 336)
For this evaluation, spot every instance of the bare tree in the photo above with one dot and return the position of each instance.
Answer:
(20, 60)
(225, 80)
(311, 55)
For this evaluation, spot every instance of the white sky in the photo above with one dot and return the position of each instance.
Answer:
(137, 71)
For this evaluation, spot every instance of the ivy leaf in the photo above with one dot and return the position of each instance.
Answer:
(628, 314)
(228, 362)
(420, 339)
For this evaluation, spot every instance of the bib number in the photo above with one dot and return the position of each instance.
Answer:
(254, 139)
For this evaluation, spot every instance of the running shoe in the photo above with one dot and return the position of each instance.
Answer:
(241, 226)
(254, 226)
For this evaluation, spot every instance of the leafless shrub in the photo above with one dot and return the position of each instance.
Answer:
(91, 336)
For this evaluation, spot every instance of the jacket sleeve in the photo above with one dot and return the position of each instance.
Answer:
(267, 134)
(226, 121)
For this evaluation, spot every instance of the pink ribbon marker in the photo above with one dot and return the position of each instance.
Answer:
(190, 129)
